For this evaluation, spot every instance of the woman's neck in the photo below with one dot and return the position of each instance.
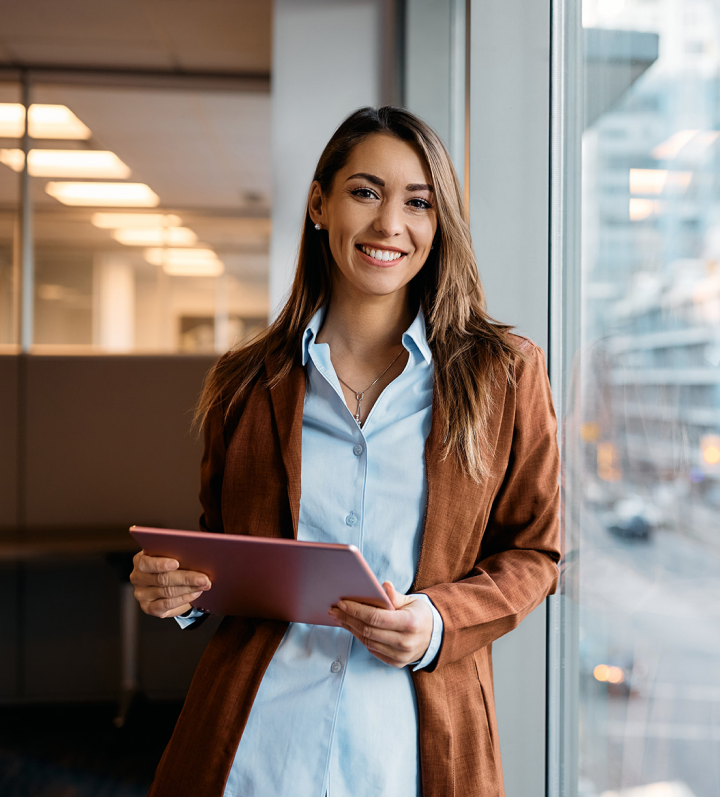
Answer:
(365, 328)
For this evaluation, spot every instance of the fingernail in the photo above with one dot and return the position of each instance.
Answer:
(196, 595)
(342, 605)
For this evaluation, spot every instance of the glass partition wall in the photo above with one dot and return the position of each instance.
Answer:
(150, 212)
(10, 135)
(635, 635)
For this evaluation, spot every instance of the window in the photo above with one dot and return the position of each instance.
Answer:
(637, 629)
(150, 213)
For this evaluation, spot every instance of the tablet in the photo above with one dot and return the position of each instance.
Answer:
(268, 578)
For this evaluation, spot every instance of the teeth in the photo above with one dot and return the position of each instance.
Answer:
(381, 254)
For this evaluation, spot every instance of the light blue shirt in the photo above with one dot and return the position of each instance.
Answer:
(329, 717)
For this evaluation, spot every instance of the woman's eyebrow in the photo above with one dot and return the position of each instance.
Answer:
(371, 178)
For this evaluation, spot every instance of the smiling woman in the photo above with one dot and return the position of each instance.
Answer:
(440, 463)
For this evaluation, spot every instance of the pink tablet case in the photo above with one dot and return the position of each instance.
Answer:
(268, 578)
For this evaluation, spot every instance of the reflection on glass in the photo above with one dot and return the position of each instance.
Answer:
(152, 228)
(646, 411)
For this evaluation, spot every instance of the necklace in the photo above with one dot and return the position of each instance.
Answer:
(360, 393)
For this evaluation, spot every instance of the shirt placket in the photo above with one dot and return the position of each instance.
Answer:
(353, 534)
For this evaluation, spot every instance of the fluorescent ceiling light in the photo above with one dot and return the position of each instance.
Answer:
(46, 121)
(67, 163)
(159, 256)
(155, 236)
(129, 195)
(113, 221)
(208, 268)
(186, 262)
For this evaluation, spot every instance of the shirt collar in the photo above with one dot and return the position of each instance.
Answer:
(415, 335)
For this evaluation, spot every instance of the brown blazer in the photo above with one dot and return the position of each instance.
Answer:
(488, 557)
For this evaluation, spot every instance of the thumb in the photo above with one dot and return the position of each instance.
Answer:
(397, 599)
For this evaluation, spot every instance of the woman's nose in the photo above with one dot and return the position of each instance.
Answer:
(389, 220)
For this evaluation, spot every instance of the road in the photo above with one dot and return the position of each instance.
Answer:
(652, 608)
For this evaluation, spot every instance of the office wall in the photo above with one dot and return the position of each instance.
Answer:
(8, 441)
(327, 61)
(106, 442)
(109, 440)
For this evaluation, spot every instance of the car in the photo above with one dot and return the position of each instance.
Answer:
(632, 519)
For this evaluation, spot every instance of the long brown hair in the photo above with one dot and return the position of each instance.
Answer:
(470, 350)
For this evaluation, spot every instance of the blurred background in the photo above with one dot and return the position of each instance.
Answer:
(154, 163)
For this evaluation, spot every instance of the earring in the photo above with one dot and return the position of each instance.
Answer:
(318, 226)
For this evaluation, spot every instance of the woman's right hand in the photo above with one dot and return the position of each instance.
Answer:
(162, 589)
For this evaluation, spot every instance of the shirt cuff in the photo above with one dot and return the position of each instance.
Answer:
(436, 638)
(184, 620)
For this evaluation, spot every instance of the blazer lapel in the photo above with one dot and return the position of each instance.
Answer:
(287, 402)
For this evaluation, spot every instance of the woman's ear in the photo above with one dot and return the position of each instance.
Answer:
(316, 205)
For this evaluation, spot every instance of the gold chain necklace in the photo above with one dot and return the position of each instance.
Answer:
(360, 393)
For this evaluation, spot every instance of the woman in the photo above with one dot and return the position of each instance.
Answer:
(422, 432)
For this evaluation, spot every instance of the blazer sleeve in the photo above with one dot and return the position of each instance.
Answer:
(520, 549)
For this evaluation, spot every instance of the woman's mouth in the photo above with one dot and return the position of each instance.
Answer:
(380, 257)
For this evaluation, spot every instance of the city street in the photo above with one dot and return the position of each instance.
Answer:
(652, 608)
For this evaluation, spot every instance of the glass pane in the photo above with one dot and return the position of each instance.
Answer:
(642, 416)
(10, 122)
(151, 219)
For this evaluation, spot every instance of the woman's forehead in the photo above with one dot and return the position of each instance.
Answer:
(388, 157)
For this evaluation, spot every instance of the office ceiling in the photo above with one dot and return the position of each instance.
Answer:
(203, 149)
(162, 35)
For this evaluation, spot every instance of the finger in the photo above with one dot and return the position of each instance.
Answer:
(156, 564)
(172, 578)
(386, 653)
(180, 610)
(163, 607)
(386, 660)
(368, 633)
(397, 599)
(152, 593)
(377, 618)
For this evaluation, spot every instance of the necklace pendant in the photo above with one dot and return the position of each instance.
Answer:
(359, 397)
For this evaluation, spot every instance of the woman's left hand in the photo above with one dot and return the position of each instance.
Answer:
(397, 637)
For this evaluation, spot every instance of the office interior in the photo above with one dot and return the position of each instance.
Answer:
(154, 164)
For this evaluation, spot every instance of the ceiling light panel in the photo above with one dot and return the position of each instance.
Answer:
(114, 221)
(208, 268)
(155, 236)
(128, 195)
(45, 121)
(67, 163)
(162, 256)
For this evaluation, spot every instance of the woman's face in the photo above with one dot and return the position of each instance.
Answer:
(380, 216)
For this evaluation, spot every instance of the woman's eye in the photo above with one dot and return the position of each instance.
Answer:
(364, 193)
(422, 204)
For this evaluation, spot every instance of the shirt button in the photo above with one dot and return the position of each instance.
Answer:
(336, 666)
(351, 519)
(357, 450)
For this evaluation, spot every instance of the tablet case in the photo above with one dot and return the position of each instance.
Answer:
(268, 578)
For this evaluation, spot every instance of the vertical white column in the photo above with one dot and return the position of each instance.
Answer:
(113, 303)
(327, 62)
(27, 258)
